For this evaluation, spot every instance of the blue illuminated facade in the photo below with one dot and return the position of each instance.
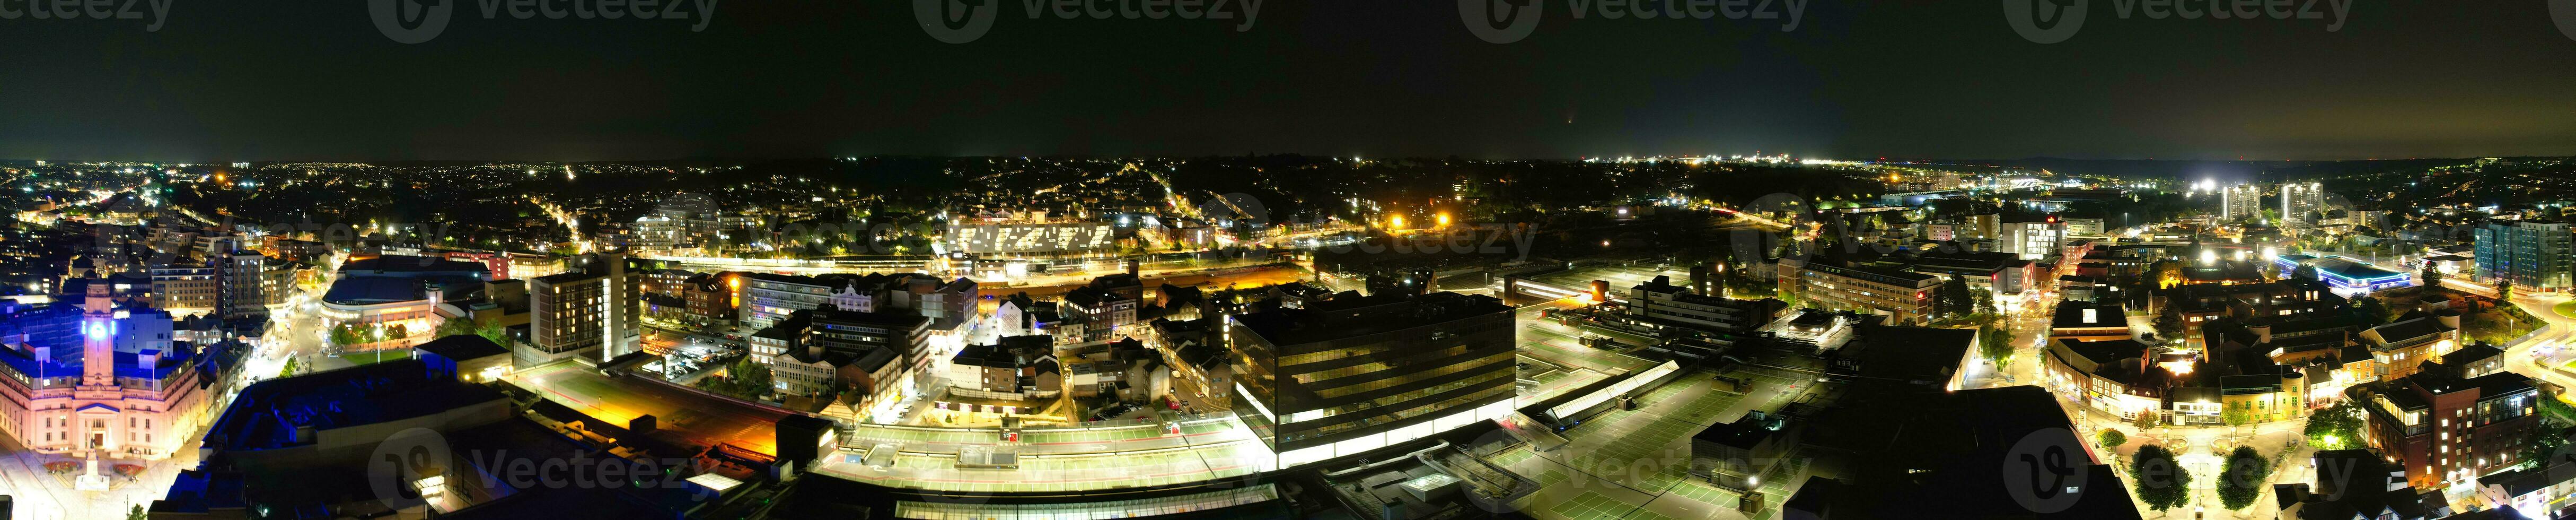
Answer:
(2346, 276)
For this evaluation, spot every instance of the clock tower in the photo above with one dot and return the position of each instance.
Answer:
(98, 338)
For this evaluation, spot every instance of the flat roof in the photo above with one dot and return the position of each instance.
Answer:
(412, 264)
(463, 346)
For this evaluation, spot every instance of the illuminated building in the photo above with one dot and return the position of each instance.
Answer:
(184, 288)
(1004, 235)
(2298, 199)
(129, 390)
(1902, 296)
(2446, 429)
(711, 296)
(2120, 376)
(243, 281)
(2085, 321)
(594, 311)
(2400, 347)
(1659, 306)
(2346, 276)
(2032, 240)
(2240, 201)
(2534, 255)
(1348, 375)
(398, 296)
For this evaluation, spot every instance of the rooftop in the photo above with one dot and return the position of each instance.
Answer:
(2082, 315)
(267, 414)
(462, 346)
(1354, 316)
(413, 264)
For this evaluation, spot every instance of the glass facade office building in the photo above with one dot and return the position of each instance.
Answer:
(1345, 376)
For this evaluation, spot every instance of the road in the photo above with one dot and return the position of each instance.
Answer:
(698, 417)
(1248, 277)
(1056, 441)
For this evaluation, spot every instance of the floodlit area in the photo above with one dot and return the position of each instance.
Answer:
(700, 417)
(1634, 464)
(1065, 460)
(1088, 510)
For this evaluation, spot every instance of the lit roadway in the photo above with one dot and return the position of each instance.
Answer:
(1250, 277)
(700, 418)
(2549, 348)
(1152, 435)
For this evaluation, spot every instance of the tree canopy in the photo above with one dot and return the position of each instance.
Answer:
(2244, 478)
(2110, 438)
(2161, 482)
(2336, 427)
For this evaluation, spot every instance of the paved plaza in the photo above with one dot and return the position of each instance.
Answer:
(1633, 464)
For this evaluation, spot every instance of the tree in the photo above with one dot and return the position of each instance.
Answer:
(751, 379)
(2432, 277)
(717, 385)
(1996, 344)
(344, 335)
(463, 326)
(1985, 300)
(2336, 427)
(2110, 439)
(2168, 274)
(2147, 420)
(289, 370)
(2161, 483)
(137, 513)
(2372, 311)
(1952, 300)
(2559, 411)
(2236, 415)
(2246, 475)
(2169, 324)
(2487, 327)
(2549, 438)
(2304, 272)
(2504, 290)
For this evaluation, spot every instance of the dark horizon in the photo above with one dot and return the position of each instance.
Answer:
(321, 82)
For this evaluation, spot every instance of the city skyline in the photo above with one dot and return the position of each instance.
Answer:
(1262, 260)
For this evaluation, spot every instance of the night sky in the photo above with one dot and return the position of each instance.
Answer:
(316, 80)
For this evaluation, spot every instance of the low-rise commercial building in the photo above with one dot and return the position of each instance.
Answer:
(2084, 321)
(2400, 347)
(1349, 375)
(1660, 308)
(1905, 297)
(2445, 429)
